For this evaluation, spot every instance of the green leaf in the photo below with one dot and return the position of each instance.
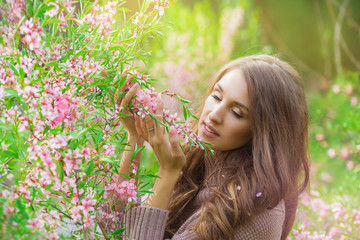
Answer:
(145, 191)
(89, 168)
(185, 112)
(14, 69)
(136, 151)
(99, 114)
(99, 136)
(62, 173)
(116, 233)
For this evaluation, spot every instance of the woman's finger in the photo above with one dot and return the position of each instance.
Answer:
(145, 128)
(139, 128)
(149, 121)
(126, 100)
(121, 91)
(176, 151)
(159, 107)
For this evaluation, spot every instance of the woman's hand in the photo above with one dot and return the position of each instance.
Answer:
(168, 152)
(129, 121)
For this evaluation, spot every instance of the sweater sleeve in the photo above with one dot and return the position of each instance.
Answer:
(145, 222)
(266, 226)
(142, 223)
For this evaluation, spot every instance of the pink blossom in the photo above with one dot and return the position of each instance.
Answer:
(109, 149)
(62, 104)
(326, 177)
(35, 223)
(59, 142)
(10, 176)
(87, 204)
(9, 210)
(354, 101)
(350, 165)
(88, 222)
(4, 146)
(336, 89)
(52, 12)
(76, 213)
(319, 205)
(349, 90)
(320, 137)
(72, 161)
(345, 154)
(332, 152)
(86, 152)
(259, 194)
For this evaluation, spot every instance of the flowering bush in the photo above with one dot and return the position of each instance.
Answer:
(61, 139)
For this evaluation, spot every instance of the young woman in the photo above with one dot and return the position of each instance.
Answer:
(255, 118)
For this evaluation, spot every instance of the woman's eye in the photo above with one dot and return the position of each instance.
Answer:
(237, 115)
(216, 97)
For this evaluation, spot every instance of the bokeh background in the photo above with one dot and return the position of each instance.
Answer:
(321, 39)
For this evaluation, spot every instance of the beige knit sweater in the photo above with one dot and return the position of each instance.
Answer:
(148, 223)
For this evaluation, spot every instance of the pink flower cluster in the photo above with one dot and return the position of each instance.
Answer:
(149, 97)
(339, 220)
(160, 6)
(45, 174)
(7, 77)
(79, 68)
(109, 149)
(61, 14)
(104, 18)
(123, 190)
(81, 212)
(32, 32)
(13, 13)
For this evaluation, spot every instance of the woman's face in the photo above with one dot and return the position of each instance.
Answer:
(224, 121)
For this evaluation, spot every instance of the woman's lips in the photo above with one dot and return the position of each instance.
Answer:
(209, 131)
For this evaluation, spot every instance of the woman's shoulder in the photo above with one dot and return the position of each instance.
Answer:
(279, 209)
(267, 225)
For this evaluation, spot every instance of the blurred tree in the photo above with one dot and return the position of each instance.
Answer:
(317, 35)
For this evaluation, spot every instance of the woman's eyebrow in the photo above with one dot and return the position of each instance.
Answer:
(237, 103)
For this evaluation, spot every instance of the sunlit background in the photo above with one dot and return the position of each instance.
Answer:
(321, 39)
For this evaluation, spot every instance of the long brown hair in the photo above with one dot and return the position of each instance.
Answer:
(274, 162)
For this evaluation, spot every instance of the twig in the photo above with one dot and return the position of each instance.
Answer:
(63, 213)
(337, 36)
(349, 54)
(8, 161)
(353, 23)
(324, 40)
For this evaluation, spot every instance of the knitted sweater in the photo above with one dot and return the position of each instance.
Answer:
(148, 223)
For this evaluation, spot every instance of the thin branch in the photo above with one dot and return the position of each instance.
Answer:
(353, 23)
(63, 213)
(337, 36)
(8, 161)
(349, 54)
(331, 10)
(324, 39)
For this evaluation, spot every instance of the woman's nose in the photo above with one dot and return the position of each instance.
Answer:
(216, 115)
